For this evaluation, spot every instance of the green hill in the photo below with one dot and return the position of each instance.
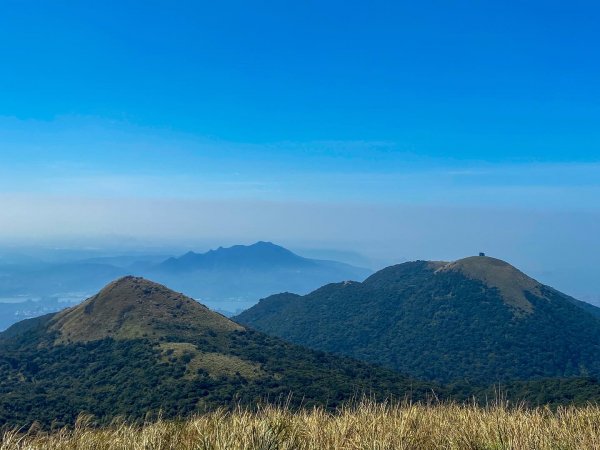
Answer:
(138, 348)
(478, 319)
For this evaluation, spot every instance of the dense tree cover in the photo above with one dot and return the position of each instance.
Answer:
(438, 325)
(53, 384)
(547, 391)
(138, 349)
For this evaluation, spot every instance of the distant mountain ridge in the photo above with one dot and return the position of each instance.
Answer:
(477, 319)
(228, 279)
(236, 277)
(259, 255)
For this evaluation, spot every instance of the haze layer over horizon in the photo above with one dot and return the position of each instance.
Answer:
(400, 132)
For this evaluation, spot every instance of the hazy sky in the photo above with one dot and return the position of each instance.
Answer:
(400, 130)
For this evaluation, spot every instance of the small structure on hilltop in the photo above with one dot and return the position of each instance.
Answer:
(481, 254)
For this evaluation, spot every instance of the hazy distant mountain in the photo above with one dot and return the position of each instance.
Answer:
(236, 277)
(138, 348)
(228, 279)
(478, 319)
(262, 255)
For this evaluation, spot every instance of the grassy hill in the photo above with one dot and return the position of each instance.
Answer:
(137, 349)
(478, 320)
(133, 308)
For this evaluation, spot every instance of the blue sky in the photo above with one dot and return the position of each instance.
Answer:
(107, 159)
(398, 115)
(494, 81)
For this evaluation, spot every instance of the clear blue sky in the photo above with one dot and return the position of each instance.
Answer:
(488, 107)
(490, 80)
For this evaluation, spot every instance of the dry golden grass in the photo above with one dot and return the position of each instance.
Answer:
(365, 426)
(216, 364)
(511, 282)
(133, 308)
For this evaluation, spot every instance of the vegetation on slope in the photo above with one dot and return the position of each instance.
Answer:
(133, 308)
(479, 320)
(367, 425)
(138, 348)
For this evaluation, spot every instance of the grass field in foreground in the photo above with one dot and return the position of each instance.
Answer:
(366, 425)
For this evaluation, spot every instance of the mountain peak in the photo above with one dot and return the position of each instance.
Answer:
(133, 307)
(477, 318)
(496, 273)
(258, 255)
(264, 244)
